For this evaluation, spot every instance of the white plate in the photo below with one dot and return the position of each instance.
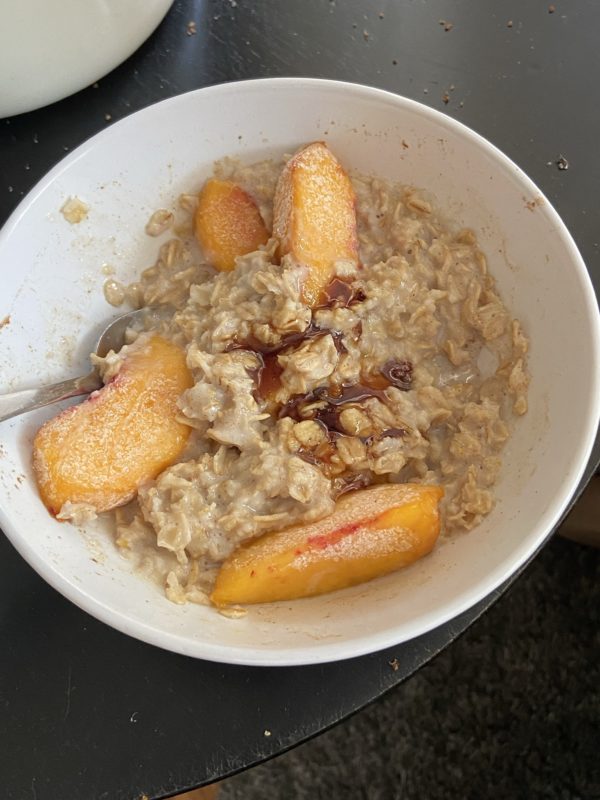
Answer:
(50, 49)
(52, 288)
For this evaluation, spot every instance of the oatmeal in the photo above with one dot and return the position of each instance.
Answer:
(409, 369)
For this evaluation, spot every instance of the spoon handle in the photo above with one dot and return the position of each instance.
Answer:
(28, 399)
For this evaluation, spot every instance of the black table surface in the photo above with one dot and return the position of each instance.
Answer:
(90, 713)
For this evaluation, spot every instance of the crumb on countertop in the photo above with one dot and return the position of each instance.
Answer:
(191, 29)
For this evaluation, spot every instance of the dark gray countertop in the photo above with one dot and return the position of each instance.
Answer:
(87, 712)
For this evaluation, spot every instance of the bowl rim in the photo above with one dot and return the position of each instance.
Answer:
(481, 588)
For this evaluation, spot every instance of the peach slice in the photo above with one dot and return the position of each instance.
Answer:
(314, 216)
(227, 223)
(99, 452)
(371, 532)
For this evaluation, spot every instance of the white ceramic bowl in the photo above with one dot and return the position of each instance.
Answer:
(52, 48)
(52, 288)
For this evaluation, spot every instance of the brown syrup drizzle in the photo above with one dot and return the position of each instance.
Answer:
(328, 416)
(398, 373)
(268, 374)
(340, 293)
(347, 394)
(350, 482)
(290, 340)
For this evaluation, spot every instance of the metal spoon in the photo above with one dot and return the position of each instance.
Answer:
(111, 338)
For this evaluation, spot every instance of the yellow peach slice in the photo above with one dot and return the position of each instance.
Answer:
(227, 223)
(101, 451)
(370, 533)
(314, 216)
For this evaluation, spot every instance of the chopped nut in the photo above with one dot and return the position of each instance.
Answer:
(309, 433)
(351, 450)
(355, 422)
(392, 461)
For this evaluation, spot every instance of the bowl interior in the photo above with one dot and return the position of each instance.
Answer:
(52, 276)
